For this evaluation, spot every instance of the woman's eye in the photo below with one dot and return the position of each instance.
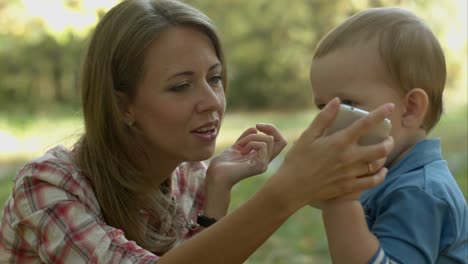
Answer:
(179, 88)
(216, 79)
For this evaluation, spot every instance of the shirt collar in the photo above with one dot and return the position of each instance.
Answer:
(422, 153)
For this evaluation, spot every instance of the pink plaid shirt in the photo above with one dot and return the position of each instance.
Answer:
(53, 215)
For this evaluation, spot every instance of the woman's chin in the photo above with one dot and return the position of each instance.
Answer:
(202, 155)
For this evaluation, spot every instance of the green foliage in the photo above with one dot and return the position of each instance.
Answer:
(269, 45)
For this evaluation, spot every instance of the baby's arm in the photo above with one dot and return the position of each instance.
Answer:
(407, 228)
(349, 238)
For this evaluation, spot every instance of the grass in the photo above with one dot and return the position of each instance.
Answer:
(300, 240)
(6, 184)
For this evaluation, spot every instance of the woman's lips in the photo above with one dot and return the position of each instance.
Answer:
(208, 132)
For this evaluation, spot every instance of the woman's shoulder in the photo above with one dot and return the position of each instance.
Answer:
(49, 180)
(57, 158)
(56, 167)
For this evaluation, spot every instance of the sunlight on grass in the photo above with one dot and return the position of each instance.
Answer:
(28, 139)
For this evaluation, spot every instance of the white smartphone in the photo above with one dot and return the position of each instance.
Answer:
(348, 114)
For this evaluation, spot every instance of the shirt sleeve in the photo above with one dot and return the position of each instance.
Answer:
(409, 225)
(51, 220)
(381, 258)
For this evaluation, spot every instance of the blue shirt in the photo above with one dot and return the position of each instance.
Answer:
(419, 213)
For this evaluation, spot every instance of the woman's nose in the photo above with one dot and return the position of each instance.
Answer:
(211, 98)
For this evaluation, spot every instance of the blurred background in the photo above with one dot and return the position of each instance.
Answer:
(268, 44)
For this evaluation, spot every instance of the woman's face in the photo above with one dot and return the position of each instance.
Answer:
(180, 101)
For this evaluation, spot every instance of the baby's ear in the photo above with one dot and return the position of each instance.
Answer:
(416, 106)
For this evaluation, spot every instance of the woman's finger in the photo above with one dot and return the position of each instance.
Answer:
(363, 183)
(261, 150)
(259, 138)
(373, 152)
(279, 142)
(375, 165)
(355, 159)
(358, 184)
(248, 131)
(344, 186)
(323, 120)
(261, 159)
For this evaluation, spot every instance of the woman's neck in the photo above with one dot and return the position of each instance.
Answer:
(160, 167)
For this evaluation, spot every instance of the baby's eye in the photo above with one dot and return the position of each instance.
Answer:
(320, 106)
(348, 102)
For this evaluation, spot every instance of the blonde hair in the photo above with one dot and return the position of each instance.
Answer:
(109, 151)
(407, 46)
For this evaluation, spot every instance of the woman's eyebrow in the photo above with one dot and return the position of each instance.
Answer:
(188, 73)
(216, 65)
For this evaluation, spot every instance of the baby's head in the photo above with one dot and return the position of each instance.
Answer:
(384, 55)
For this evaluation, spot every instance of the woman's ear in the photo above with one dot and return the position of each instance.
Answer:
(124, 106)
(416, 106)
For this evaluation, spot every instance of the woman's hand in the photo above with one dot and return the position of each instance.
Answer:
(250, 155)
(353, 196)
(320, 167)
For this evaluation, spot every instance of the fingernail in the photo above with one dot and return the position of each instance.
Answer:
(390, 107)
(333, 103)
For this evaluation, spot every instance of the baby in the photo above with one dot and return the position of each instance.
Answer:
(418, 214)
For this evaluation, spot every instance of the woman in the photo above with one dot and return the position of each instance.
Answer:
(154, 82)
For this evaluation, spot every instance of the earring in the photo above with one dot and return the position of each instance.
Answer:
(130, 122)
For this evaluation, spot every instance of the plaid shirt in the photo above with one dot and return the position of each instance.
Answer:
(53, 215)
